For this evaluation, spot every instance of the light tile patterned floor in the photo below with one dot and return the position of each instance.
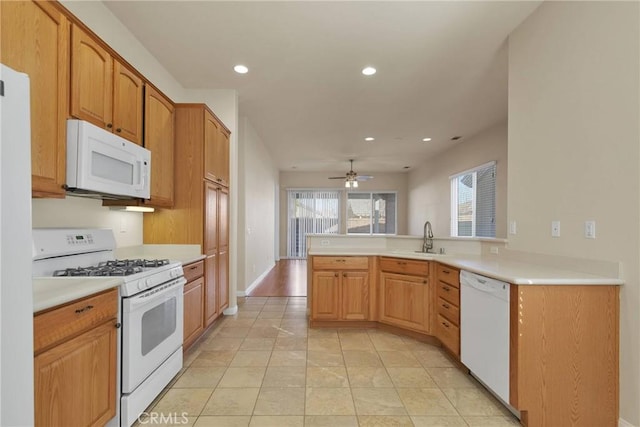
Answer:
(264, 367)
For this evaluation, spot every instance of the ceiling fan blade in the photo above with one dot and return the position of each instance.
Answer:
(364, 177)
(337, 177)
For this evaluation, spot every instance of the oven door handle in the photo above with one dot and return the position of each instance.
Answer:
(151, 296)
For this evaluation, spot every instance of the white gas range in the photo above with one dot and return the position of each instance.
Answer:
(151, 307)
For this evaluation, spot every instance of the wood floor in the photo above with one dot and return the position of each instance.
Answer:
(287, 279)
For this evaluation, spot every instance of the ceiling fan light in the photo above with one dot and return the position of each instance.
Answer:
(354, 184)
(347, 184)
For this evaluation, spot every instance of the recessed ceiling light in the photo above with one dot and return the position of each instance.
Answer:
(369, 138)
(368, 71)
(426, 139)
(241, 69)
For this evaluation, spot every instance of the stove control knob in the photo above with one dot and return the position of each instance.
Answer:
(141, 285)
(148, 282)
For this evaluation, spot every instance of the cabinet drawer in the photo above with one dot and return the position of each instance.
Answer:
(449, 310)
(57, 325)
(449, 293)
(449, 334)
(340, 262)
(193, 271)
(449, 275)
(404, 266)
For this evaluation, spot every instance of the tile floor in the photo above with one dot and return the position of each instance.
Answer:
(264, 367)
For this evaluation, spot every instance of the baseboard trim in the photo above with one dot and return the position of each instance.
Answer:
(255, 282)
(624, 423)
(230, 311)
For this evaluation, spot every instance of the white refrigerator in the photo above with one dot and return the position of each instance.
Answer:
(16, 288)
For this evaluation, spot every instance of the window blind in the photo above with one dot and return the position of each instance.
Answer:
(473, 202)
(310, 212)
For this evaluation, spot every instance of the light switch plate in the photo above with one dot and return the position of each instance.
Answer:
(512, 227)
(590, 229)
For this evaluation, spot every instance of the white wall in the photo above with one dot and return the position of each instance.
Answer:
(381, 182)
(574, 148)
(78, 212)
(256, 191)
(429, 186)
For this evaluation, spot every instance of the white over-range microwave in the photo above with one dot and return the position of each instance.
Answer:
(102, 164)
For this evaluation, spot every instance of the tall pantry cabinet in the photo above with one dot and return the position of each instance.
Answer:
(201, 202)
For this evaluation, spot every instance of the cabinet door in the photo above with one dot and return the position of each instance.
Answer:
(210, 218)
(325, 293)
(127, 103)
(404, 301)
(211, 134)
(211, 307)
(91, 80)
(223, 280)
(222, 156)
(355, 295)
(193, 306)
(159, 138)
(75, 382)
(34, 39)
(223, 218)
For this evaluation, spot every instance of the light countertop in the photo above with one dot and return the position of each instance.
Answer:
(516, 272)
(49, 292)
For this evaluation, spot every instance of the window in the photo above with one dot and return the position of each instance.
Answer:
(310, 212)
(473, 202)
(371, 213)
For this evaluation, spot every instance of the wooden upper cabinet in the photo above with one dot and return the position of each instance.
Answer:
(216, 150)
(91, 80)
(34, 39)
(160, 140)
(104, 91)
(127, 101)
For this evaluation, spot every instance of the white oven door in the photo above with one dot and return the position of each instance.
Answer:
(151, 331)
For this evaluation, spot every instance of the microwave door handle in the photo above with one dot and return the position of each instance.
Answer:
(143, 167)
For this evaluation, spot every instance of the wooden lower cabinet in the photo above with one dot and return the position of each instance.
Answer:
(447, 326)
(193, 323)
(211, 307)
(564, 354)
(75, 368)
(404, 301)
(340, 294)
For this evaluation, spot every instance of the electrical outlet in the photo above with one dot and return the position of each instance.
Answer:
(512, 227)
(494, 250)
(555, 228)
(324, 242)
(590, 229)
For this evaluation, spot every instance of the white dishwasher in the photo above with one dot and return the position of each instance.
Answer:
(484, 330)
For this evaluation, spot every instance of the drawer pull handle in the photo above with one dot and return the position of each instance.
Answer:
(344, 274)
(445, 324)
(446, 271)
(82, 310)
(424, 281)
(118, 325)
(336, 274)
(445, 288)
(402, 263)
(341, 260)
(446, 306)
(193, 268)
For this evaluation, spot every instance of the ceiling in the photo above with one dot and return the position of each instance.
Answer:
(442, 71)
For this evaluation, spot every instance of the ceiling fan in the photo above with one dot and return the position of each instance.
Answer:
(351, 178)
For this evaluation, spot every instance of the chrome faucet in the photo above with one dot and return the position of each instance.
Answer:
(427, 243)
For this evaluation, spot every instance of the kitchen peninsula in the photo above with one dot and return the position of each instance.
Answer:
(563, 314)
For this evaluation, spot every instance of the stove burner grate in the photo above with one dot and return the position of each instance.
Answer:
(124, 267)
